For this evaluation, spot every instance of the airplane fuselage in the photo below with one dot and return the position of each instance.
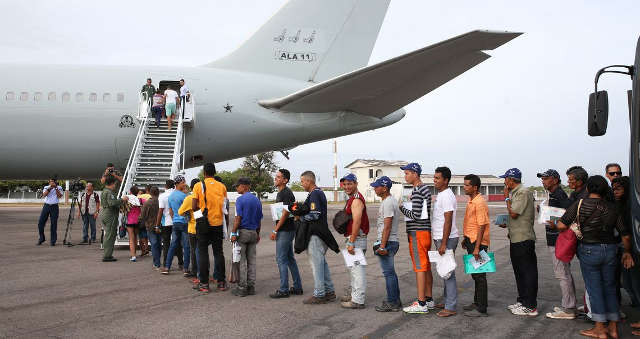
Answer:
(66, 120)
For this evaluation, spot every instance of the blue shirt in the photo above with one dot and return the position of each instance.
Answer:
(248, 207)
(52, 197)
(317, 202)
(175, 201)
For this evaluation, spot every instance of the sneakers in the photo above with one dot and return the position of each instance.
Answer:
(222, 286)
(330, 296)
(470, 307)
(279, 295)
(525, 311)
(559, 313)
(345, 298)
(415, 308)
(156, 268)
(431, 304)
(387, 307)
(295, 291)
(164, 271)
(351, 305)
(475, 314)
(313, 300)
(109, 259)
(251, 290)
(240, 292)
(133, 259)
(514, 306)
(204, 288)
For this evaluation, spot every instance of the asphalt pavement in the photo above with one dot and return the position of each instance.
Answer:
(68, 292)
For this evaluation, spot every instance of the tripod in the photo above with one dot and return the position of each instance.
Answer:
(67, 233)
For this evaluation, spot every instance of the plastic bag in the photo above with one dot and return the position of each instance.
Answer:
(446, 265)
(234, 274)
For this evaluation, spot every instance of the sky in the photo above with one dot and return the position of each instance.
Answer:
(525, 107)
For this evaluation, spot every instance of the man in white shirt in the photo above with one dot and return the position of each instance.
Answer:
(171, 100)
(51, 193)
(445, 234)
(184, 95)
(165, 218)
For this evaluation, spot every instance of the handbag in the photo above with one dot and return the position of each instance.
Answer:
(567, 242)
(341, 220)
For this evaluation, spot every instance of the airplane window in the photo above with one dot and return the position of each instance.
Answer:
(24, 96)
(52, 96)
(37, 96)
(106, 97)
(120, 97)
(79, 97)
(66, 97)
(93, 97)
(10, 96)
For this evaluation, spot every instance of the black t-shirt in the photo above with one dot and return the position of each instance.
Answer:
(286, 197)
(557, 198)
(600, 229)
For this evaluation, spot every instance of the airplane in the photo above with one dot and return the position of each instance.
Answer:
(302, 77)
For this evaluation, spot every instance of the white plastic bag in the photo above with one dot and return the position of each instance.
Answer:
(446, 265)
(236, 252)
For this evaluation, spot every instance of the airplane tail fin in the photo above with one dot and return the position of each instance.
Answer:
(311, 40)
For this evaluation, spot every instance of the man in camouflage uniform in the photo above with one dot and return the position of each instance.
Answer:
(110, 212)
(148, 89)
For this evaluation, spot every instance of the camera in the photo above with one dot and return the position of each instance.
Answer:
(76, 186)
(110, 170)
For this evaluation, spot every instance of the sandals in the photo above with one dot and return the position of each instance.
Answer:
(446, 313)
(592, 334)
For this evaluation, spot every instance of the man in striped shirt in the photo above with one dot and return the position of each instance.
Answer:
(419, 235)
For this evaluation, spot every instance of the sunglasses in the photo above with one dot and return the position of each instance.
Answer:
(615, 173)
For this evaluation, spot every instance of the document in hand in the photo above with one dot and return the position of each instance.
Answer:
(423, 215)
(502, 219)
(547, 212)
(487, 263)
(277, 209)
(352, 259)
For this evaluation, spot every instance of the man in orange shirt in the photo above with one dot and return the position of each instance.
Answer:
(209, 227)
(476, 239)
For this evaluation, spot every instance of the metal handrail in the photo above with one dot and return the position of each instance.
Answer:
(175, 164)
(141, 100)
(135, 151)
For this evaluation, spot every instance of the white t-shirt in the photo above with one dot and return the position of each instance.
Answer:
(184, 90)
(171, 96)
(163, 202)
(445, 202)
(388, 209)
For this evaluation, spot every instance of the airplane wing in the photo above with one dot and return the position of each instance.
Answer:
(383, 88)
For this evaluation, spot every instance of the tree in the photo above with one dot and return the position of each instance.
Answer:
(259, 169)
(296, 186)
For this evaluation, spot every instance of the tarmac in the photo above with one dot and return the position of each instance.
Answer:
(68, 292)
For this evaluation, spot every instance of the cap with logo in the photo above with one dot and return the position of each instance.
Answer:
(414, 166)
(512, 173)
(383, 181)
(178, 179)
(549, 173)
(349, 177)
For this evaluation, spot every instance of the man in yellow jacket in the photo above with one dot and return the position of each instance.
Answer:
(187, 208)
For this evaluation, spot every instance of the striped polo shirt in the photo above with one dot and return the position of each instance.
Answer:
(419, 196)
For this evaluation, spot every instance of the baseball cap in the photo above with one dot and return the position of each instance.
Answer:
(414, 166)
(549, 173)
(382, 181)
(243, 181)
(179, 179)
(512, 173)
(349, 177)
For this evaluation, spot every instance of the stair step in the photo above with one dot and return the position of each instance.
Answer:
(143, 162)
(155, 153)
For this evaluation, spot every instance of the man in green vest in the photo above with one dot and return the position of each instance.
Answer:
(110, 212)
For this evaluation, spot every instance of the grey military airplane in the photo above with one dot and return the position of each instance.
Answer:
(302, 77)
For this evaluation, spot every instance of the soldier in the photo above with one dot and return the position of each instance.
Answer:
(109, 217)
(148, 90)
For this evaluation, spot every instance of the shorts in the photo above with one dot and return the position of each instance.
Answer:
(419, 246)
(134, 226)
(143, 233)
(170, 107)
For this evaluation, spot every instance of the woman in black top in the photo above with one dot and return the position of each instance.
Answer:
(598, 218)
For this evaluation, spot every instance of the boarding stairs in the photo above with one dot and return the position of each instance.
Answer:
(158, 153)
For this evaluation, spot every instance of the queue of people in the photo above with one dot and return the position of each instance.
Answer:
(193, 217)
(166, 104)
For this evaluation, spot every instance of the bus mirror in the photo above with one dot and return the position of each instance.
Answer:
(598, 113)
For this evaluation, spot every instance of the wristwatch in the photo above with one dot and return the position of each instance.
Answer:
(507, 199)
(234, 234)
(274, 232)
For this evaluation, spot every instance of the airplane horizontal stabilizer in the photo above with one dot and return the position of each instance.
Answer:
(383, 88)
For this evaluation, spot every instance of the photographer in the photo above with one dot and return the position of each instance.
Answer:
(110, 171)
(88, 209)
(51, 194)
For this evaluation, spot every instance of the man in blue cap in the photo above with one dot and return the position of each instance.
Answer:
(356, 237)
(562, 270)
(387, 244)
(522, 249)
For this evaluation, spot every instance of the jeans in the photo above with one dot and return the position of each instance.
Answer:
(389, 272)
(49, 211)
(450, 285)
(88, 220)
(179, 235)
(286, 261)
(525, 269)
(167, 231)
(156, 246)
(210, 235)
(358, 274)
(157, 114)
(598, 266)
(562, 271)
(248, 239)
(322, 283)
(480, 296)
(193, 249)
